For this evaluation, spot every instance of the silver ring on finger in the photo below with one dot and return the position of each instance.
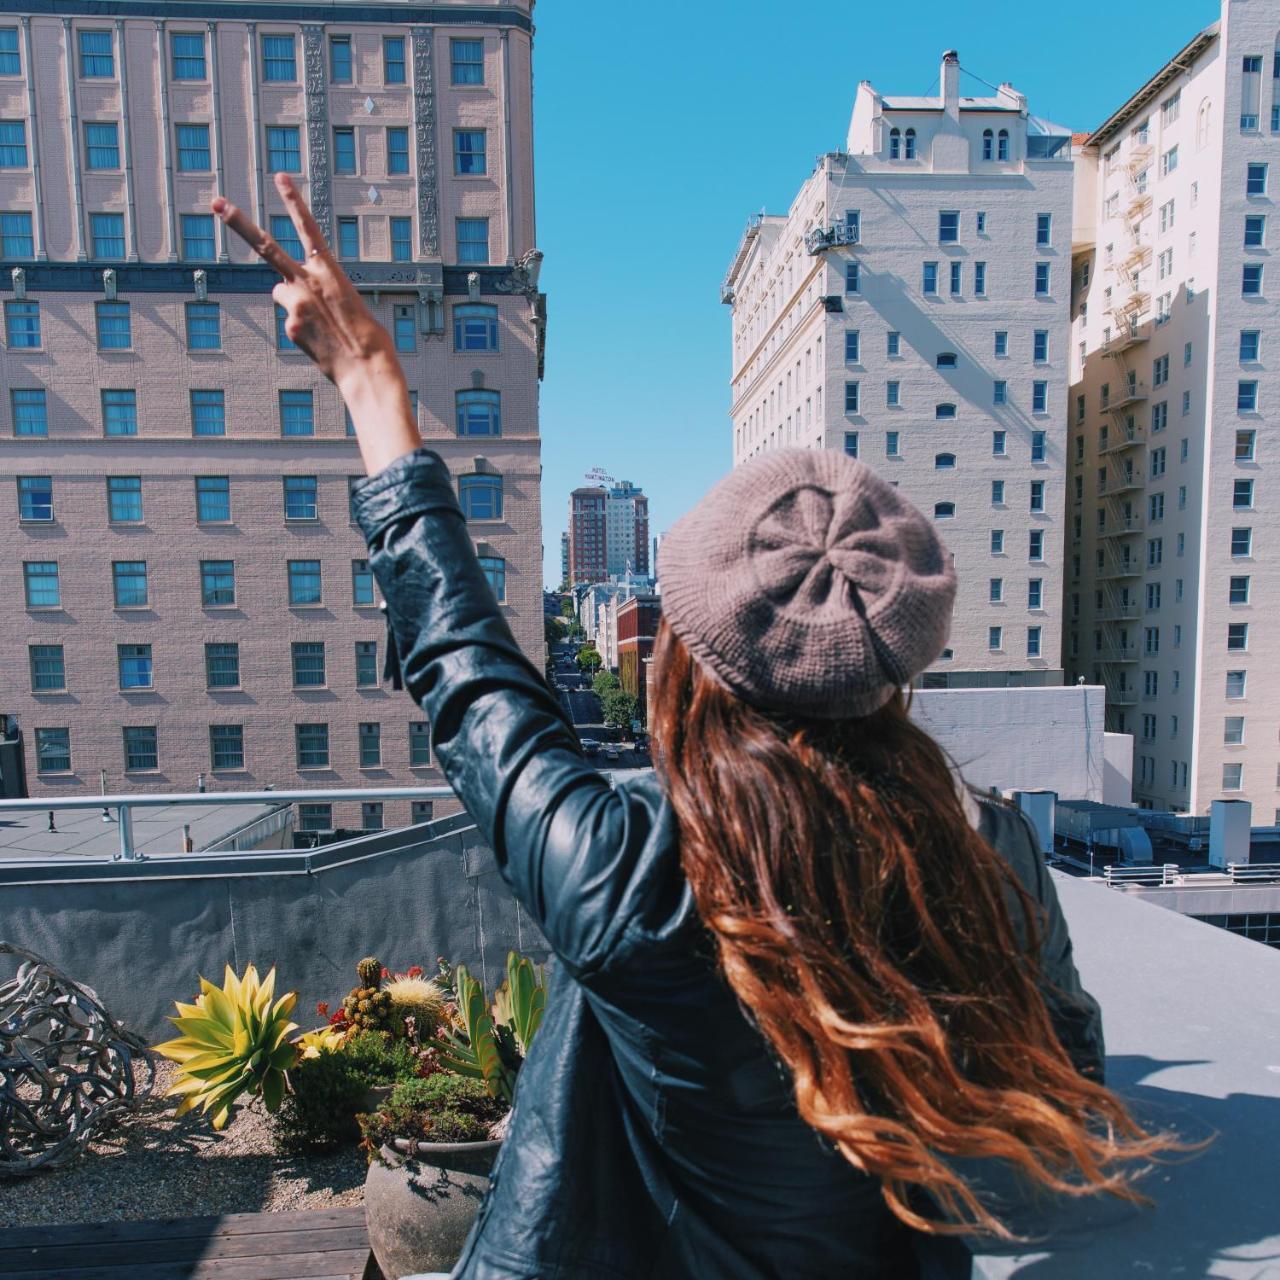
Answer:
(315, 253)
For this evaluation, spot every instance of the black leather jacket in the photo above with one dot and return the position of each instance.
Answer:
(652, 1135)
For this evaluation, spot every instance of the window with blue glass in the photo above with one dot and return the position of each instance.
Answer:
(197, 237)
(344, 151)
(129, 583)
(495, 570)
(284, 150)
(120, 413)
(213, 499)
(1256, 180)
(1037, 446)
(1002, 145)
(41, 585)
(107, 233)
(893, 343)
(193, 148)
(979, 277)
(401, 239)
(944, 411)
(114, 328)
(134, 661)
(308, 663)
(97, 61)
(1040, 346)
(361, 583)
(1001, 343)
(222, 666)
(208, 412)
(473, 240)
(1250, 345)
(101, 145)
(217, 583)
(349, 238)
(466, 61)
(13, 144)
(304, 582)
(393, 60)
(300, 498)
(851, 346)
(1037, 495)
(186, 55)
(852, 397)
(10, 60)
(1035, 545)
(30, 411)
(226, 746)
(956, 272)
(1255, 230)
(944, 461)
(999, 443)
(405, 327)
(1042, 279)
(297, 416)
(475, 327)
(204, 326)
(1247, 397)
(53, 750)
(929, 280)
(1251, 279)
(283, 341)
(1044, 223)
(340, 59)
(949, 226)
(479, 412)
(124, 499)
(853, 277)
(15, 236)
(279, 64)
(140, 749)
(469, 151)
(35, 498)
(285, 234)
(312, 746)
(480, 496)
(999, 391)
(397, 150)
(48, 668)
(22, 325)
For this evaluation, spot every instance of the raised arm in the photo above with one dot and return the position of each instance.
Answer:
(565, 842)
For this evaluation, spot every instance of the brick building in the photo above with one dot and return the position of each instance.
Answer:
(186, 591)
(638, 619)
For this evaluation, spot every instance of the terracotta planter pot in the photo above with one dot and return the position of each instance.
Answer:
(420, 1204)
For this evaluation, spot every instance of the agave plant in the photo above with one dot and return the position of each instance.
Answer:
(494, 1040)
(326, 1039)
(234, 1041)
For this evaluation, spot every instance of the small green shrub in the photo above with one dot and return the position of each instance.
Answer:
(319, 1111)
(440, 1108)
(378, 1059)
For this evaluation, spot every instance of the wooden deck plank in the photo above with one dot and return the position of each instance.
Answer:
(346, 1264)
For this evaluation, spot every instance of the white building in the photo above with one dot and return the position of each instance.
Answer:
(911, 308)
(1174, 539)
(626, 514)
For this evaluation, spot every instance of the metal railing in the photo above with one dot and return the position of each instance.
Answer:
(1152, 877)
(124, 805)
(1252, 872)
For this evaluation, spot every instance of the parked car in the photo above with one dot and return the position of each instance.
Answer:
(590, 746)
(611, 753)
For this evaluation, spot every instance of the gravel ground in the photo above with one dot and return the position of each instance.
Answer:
(153, 1166)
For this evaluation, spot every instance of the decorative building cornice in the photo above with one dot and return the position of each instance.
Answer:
(424, 126)
(229, 11)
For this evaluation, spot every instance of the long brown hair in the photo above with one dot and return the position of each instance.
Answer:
(867, 929)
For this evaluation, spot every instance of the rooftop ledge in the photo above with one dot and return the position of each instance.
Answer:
(1191, 1013)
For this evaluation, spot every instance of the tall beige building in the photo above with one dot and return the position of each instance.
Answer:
(1174, 547)
(185, 591)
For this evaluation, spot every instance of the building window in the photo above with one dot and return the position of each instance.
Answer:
(285, 234)
(1247, 397)
(979, 277)
(995, 591)
(944, 461)
(226, 746)
(13, 145)
(96, 59)
(124, 499)
(475, 327)
(1251, 280)
(1235, 684)
(22, 325)
(53, 750)
(208, 413)
(1002, 145)
(344, 151)
(478, 412)
(361, 583)
(1238, 591)
(469, 159)
(948, 226)
(278, 63)
(217, 583)
(851, 346)
(995, 638)
(284, 151)
(997, 493)
(370, 745)
(1039, 397)
(397, 150)
(1038, 446)
(1256, 180)
(466, 61)
(895, 144)
(48, 669)
(419, 744)
(997, 542)
(893, 344)
(1233, 777)
(393, 60)
(1037, 495)
(349, 239)
(16, 236)
(283, 341)
(1044, 223)
(304, 582)
(851, 444)
(213, 499)
(1155, 507)
(1035, 593)
(852, 277)
(312, 745)
(495, 570)
(366, 664)
(222, 666)
(296, 414)
(473, 240)
(1042, 279)
(893, 394)
(1168, 162)
(988, 144)
(315, 817)
(371, 815)
(35, 498)
(851, 397)
(944, 510)
(1241, 542)
(134, 663)
(420, 811)
(401, 239)
(929, 283)
(10, 60)
(1255, 230)
(404, 320)
(1250, 345)
(197, 237)
(193, 148)
(999, 444)
(129, 583)
(300, 498)
(1036, 545)
(41, 585)
(1001, 343)
(944, 410)
(945, 360)
(1245, 441)
(140, 747)
(308, 663)
(892, 444)
(1033, 642)
(107, 233)
(340, 59)
(204, 326)
(480, 496)
(1242, 495)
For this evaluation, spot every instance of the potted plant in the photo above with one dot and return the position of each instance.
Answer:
(432, 1146)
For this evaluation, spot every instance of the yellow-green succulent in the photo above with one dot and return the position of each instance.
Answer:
(234, 1041)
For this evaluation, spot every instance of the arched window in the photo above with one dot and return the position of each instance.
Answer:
(1202, 125)
(909, 145)
(475, 327)
(946, 359)
(944, 510)
(988, 145)
(480, 496)
(895, 144)
(1002, 145)
(944, 461)
(479, 412)
(944, 411)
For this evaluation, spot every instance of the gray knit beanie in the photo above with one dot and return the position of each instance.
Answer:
(808, 585)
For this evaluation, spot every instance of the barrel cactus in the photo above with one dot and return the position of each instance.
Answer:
(368, 1006)
(415, 998)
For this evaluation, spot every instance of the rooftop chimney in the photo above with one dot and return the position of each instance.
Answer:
(949, 78)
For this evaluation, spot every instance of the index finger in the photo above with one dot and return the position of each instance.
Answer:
(254, 236)
(308, 229)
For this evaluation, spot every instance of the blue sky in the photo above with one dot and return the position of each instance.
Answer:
(659, 128)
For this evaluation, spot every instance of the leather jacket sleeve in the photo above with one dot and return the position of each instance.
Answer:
(565, 842)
